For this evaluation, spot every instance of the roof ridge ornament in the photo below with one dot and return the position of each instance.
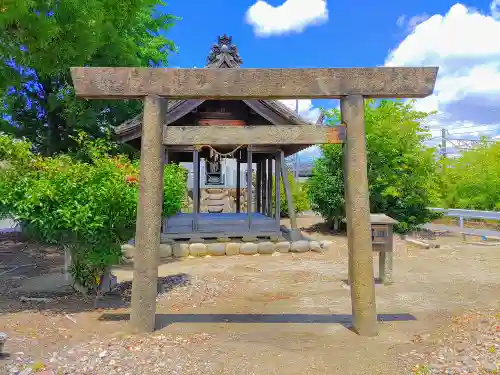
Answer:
(224, 50)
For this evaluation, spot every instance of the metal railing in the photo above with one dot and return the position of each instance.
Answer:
(467, 214)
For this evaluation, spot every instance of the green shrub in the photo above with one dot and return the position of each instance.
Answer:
(87, 206)
(299, 195)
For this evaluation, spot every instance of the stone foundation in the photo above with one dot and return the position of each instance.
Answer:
(231, 248)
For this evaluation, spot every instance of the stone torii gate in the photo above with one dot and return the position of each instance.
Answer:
(351, 85)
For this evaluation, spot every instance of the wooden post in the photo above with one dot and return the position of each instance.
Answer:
(386, 259)
(165, 162)
(258, 187)
(196, 189)
(358, 218)
(270, 186)
(264, 185)
(238, 185)
(148, 224)
(249, 186)
(294, 232)
(277, 171)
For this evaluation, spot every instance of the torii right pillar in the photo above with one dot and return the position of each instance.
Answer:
(357, 203)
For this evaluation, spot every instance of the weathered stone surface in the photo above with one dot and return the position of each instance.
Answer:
(266, 247)
(249, 239)
(180, 250)
(216, 248)
(317, 83)
(277, 238)
(196, 240)
(299, 246)
(128, 250)
(326, 245)
(214, 191)
(128, 261)
(198, 249)
(233, 248)
(315, 246)
(223, 239)
(249, 248)
(215, 209)
(218, 196)
(165, 250)
(283, 247)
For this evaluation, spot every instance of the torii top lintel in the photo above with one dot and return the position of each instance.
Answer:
(238, 83)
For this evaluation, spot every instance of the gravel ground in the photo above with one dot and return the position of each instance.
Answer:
(470, 345)
(67, 336)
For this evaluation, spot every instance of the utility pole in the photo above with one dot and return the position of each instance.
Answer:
(443, 142)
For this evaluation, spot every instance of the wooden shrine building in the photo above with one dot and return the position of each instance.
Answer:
(262, 218)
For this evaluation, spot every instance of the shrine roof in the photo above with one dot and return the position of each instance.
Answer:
(224, 54)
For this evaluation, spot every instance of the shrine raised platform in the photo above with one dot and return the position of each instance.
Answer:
(230, 225)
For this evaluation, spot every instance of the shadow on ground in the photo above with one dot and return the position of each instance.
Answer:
(32, 278)
(164, 320)
(74, 302)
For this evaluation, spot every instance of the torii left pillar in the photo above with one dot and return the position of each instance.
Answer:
(149, 209)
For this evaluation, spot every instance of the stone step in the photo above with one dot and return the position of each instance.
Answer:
(214, 191)
(217, 196)
(216, 209)
(216, 202)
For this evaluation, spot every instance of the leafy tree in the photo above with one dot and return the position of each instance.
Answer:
(402, 171)
(472, 180)
(41, 39)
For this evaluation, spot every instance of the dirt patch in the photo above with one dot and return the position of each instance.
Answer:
(286, 314)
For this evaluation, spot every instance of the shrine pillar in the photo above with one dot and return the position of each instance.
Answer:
(357, 205)
(149, 215)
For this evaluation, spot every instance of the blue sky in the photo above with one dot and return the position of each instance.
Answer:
(463, 39)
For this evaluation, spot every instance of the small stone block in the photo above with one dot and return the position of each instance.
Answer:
(299, 246)
(249, 248)
(128, 250)
(233, 248)
(315, 246)
(223, 239)
(326, 245)
(277, 238)
(283, 247)
(249, 239)
(266, 248)
(198, 249)
(196, 240)
(216, 249)
(181, 250)
(165, 251)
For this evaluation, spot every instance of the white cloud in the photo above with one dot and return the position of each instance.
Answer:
(411, 22)
(291, 16)
(306, 109)
(465, 45)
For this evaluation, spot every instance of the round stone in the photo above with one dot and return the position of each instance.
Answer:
(283, 247)
(266, 248)
(233, 248)
(326, 245)
(299, 246)
(198, 249)
(216, 249)
(315, 246)
(180, 250)
(249, 248)
(165, 250)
